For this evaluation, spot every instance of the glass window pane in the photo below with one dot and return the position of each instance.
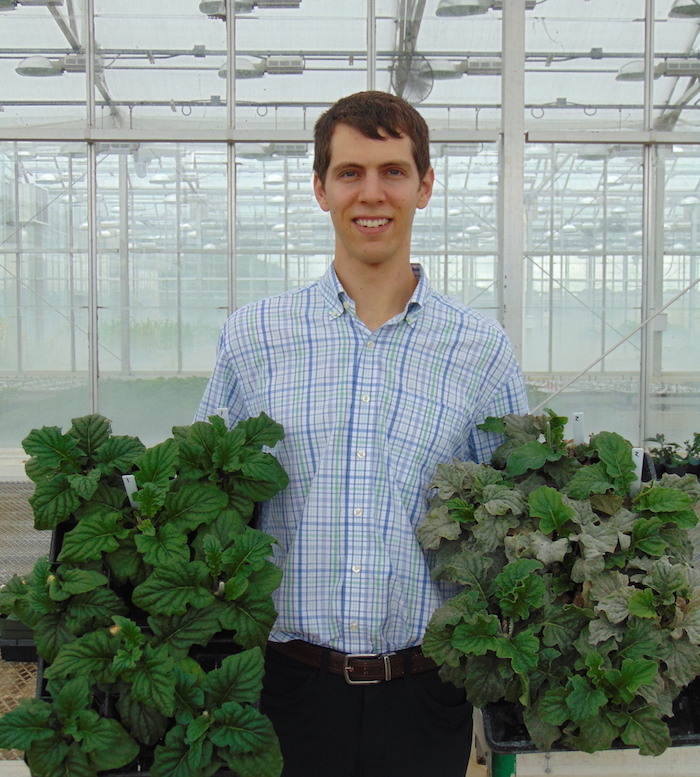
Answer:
(43, 287)
(42, 71)
(584, 64)
(161, 63)
(584, 281)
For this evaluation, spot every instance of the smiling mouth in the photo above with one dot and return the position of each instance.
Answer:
(372, 223)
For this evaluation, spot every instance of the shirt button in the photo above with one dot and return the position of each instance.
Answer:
(369, 344)
(365, 398)
(347, 305)
(356, 568)
(361, 454)
(354, 626)
(357, 512)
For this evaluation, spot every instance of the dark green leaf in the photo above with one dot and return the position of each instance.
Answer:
(143, 721)
(50, 447)
(260, 431)
(646, 536)
(106, 499)
(153, 681)
(641, 604)
(546, 504)
(616, 454)
(194, 504)
(265, 763)
(72, 699)
(51, 633)
(242, 729)
(531, 455)
(227, 454)
(69, 582)
(476, 636)
(553, 708)
(91, 654)
(484, 679)
(589, 480)
(189, 697)
(195, 627)
(251, 617)
(53, 501)
(583, 701)
(249, 551)
(85, 485)
(661, 500)
(521, 650)
(92, 537)
(110, 746)
(167, 544)
(645, 730)
(90, 431)
(172, 587)
(25, 724)
(543, 734)
(119, 453)
(150, 498)
(174, 758)
(158, 465)
(594, 734)
(126, 562)
(239, 679)
(518, 589)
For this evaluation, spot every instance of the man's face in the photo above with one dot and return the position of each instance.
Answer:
(372, 190)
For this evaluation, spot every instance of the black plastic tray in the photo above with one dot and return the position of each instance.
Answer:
(505, 731)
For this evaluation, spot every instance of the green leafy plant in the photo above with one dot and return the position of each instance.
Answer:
(666, 454)
(152, 613)
(578, 599)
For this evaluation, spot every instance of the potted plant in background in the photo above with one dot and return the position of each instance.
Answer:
(579, 605)
(152, 611)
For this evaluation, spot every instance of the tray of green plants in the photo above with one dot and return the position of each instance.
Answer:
(152, 611)
(575, 595)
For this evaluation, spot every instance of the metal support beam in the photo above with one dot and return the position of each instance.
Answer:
(511, 225)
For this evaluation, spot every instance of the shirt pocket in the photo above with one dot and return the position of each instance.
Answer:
(422, 433)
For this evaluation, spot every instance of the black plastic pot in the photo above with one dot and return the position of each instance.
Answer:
(505, 731)
(16, 641)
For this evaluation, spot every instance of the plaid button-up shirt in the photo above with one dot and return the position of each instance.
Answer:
(368, 416)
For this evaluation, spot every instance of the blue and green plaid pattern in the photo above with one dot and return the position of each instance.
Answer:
(368, 416)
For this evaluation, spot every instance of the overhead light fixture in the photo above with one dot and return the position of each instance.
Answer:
(684, 9)
(39, 67)
(485, 66)
(8, 5)
(41, 2)
(216, 9)
(444, 69)
(634, 71)
(462, 7)
(245, 68)
(682, 67)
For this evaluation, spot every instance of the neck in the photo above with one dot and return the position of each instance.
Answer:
(380, 292)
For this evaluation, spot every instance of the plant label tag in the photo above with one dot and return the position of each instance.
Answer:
(129, 482)
(638, 458)
(222, 412)
(578, 428)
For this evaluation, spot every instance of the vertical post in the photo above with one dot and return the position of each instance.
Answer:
(512, 176)
(124, 273)
(371, 45)
(649, 225)
(92, 291)
(231, 151)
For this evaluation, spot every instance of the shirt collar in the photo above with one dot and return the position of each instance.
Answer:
(338, 301)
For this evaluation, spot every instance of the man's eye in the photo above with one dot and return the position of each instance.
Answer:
(348, 174)
(395, 172)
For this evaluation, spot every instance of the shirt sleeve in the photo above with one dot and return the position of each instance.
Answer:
(224, 388)
(509, 396)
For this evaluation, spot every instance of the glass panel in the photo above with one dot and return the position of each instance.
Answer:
(583, 282)
(457, 66)
(676, 65)
(674, 385)
(584, 64)
(42, 70)
(161, 63)
(292, 63)
(456, 239)
(43, 287)
(162, 258)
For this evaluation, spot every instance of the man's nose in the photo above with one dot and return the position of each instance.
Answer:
(372, 189)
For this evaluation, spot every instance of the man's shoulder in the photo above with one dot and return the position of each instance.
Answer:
(444, 307)
(278, 304)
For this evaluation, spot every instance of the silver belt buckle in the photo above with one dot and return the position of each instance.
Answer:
(386, 657)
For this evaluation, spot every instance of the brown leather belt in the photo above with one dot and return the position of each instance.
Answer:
(357, 668)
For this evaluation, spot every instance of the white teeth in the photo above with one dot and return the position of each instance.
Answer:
(372, 222)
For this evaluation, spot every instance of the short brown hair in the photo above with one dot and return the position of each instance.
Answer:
(369, 112)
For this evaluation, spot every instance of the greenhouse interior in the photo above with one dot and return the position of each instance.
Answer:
(156, 175)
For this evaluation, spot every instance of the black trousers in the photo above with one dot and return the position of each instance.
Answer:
(413, 726)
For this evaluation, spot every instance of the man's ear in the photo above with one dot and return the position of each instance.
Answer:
(426, 188)
(320, 193)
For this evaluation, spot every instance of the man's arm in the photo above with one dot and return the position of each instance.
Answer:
(223, 388)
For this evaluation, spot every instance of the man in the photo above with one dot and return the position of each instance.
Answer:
(376, 379)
